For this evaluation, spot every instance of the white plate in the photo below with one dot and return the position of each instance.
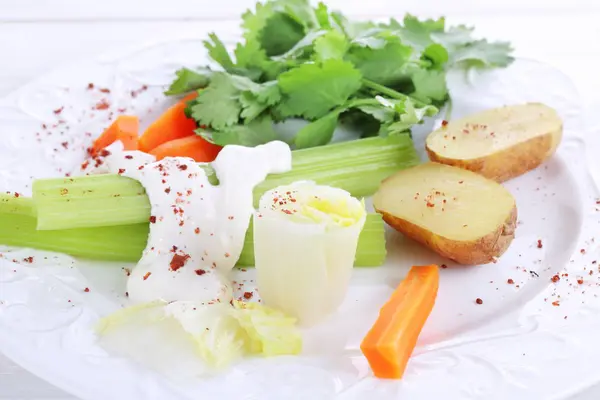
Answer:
(515, 345)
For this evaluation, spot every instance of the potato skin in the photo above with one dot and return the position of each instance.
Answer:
(510, 162)
(481, 251)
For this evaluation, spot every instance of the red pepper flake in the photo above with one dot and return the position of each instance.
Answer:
(85, 164)
(539, 244)
(28, 260)
(183, 167)
(444, 266)
(510, 281)
(105, 153)
(121, 171)
(102, 105)
(65, 145)
(226, 255)
(478, 301)
(230, 217)
(444, 123)
(147, 275)
(178, 261)
(580, 281)
(168, 190)
(461, 182)
(174, 249)
(90, 86)
(129, 157)
(87, 290)
(127, 271)
(141, 167)
(105, 90)
(59, 110)
(286, 211)
(200, 272)
(152, 219)
(181, 223)
(430, 205)
(197, 231)
(555, 278)
(582, 251)
(248, 295)
(465, 131)
(555, 303)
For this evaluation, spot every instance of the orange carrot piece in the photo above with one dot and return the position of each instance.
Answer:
(171, 125)
(125, 128)
(393, 337)
(192, 146)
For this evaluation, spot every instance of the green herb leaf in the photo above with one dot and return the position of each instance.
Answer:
(429, 85)
(280, 34)
(386, 65)
(257, 132)
(317, 133)
(256, 101)
(188, 80)
(332, 45)
(311, 90)
(465, 51)
(218, 52)
(484, 54)
(217, 105)
(407, 115)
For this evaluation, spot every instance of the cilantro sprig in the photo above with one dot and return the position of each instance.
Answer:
(299, 61)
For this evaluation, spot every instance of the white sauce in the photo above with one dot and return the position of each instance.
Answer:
(197, 230)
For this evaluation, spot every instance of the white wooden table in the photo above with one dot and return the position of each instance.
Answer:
(38, 35)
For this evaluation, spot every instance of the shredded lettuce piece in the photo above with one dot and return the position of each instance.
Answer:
(218, 334)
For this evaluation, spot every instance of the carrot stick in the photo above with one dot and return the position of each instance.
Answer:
(393, 337)
(125, 128)
(191, 146)
(171, 125)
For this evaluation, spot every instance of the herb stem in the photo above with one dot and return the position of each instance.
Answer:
(390, 92)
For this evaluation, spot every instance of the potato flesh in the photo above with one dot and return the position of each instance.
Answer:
(449, 201)
(493, 130)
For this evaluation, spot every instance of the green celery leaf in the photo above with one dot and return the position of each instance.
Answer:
(217, 106)
(386, 65)
(429, 84)
(332, 45)
(218, 52)
(188, 80)
(317, 133)
(259, 131)
(311, 90)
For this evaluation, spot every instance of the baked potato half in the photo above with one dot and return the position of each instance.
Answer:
(457, 213)
(500, 143)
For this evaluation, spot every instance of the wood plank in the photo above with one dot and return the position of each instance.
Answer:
(58, 44)
(67, 10)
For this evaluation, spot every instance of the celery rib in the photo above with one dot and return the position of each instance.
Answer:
(126, 242)
(357, 166)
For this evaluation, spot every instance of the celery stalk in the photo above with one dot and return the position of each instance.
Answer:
(357, 166)
(126, 242)
(115, 243)
(369, 252)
